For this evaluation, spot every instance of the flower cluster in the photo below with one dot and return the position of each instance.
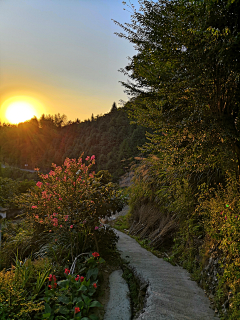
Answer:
(53, 280)
(77, 309)
(66, 271)
(81, 278)
(95, 254)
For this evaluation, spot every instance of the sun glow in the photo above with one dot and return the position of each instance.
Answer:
(21, 108)
(19, 112)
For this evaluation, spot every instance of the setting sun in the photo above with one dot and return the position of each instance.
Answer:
(20, 112)
(21, 108)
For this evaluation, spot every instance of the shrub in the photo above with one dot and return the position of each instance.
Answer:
(21, 287)
(70, 201)
(72, 298)
(220, 211)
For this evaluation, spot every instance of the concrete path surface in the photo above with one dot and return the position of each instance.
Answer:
(171, 294)
(118, 307)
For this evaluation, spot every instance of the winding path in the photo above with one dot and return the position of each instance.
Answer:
(171, 294)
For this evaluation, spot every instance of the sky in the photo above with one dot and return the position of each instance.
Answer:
(63, 54)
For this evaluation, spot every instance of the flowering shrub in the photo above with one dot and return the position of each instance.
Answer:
(71, 200)
(72, 298)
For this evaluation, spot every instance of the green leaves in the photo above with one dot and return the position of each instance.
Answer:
(63, 283)
(47, 311)
(82, 288)
(92, 273)
(63, 310)
(95, 304)
(64, 299)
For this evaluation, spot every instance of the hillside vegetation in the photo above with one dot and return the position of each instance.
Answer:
(39, 143)
(183, 83)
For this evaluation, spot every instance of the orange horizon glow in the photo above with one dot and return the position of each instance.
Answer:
(21, 108)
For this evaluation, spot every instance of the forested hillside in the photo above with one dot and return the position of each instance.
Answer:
(39, 143)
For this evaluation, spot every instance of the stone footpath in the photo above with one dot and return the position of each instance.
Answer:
(170, 295)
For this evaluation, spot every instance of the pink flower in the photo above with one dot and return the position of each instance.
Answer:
(92, 157)
(87, 158)
(60, 226)
(55, 222)
(96, 228)
(71, 226)
(39, 184)
(44, 194)
(225, 217)
(54, 214)
(66, 218)
(221, 212)
(60, 199)
(36, 216)
(34, 207)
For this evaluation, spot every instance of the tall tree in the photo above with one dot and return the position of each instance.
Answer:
(184, 80)
(114, 107)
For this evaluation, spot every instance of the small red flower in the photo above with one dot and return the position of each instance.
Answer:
(95, 254)
(77, 278)
(54, 278)
(67, 271)
(81, 278)
(50, 287)
(55, 285)
(50, 277)
(77, 309)
(95, 285)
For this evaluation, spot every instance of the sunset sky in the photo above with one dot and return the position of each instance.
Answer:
(63, 55)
